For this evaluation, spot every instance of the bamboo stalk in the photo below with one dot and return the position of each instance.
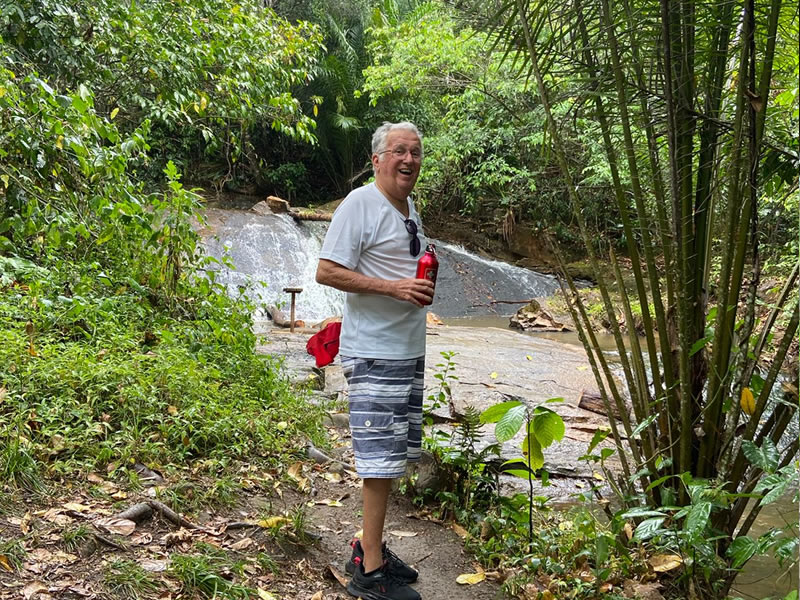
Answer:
(630, 153)
(739, 463)
(574, 197)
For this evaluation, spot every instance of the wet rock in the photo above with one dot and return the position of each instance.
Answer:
(532, 317)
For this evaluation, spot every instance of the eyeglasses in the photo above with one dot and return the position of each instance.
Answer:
(399, 152)
(415, 246)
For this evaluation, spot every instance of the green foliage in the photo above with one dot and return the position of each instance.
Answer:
(485, 150)
(74, 537)
(125, 579)
(204, 574)
(202, 71)
(117, 340)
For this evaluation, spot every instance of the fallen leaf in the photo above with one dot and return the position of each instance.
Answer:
(272, 522)
(528, 357)
(462, 533)
(265, 595)
(5, 563)
(54, 515)
(582, 368)
(329, 502)
(33, 588)
(334, 573)
(25, 522)
(662, 563)
(317, 596)
(606, 588)
(404, 534)
(333, 477)
(141, 539)
(598, 476)
(76, 506)
(294, 472)
(493, 375)
(182, 535)
(94, 478)
(628, 529)
(116, 525)
(470, 578)
(242, 544)
(642, 591)
(173, 410)
(154, 566)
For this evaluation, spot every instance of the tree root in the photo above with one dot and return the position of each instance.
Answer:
(144, 510)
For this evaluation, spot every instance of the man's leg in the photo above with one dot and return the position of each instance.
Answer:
(375, 496)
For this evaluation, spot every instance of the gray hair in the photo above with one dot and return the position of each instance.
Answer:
(382, 132)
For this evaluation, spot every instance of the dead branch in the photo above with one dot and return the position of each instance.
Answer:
(493, 302)
(137, 513)
(170, 515)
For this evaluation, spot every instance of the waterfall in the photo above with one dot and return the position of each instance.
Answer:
(271, 252)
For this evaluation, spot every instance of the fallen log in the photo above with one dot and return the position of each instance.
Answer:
(309, 215)
(280, 319)
(143, 511)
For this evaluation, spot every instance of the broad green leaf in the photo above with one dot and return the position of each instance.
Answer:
(697, 519)
(547, 427)
(765, 458)
(494, 413)
(648, 528)
(642, 511)
(536, 456)
(741, 550)
(510, 423)
(521, 473)
(601, 549)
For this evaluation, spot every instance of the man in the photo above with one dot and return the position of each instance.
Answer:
(371, 252)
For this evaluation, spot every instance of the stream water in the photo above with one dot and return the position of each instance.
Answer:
(271, 252)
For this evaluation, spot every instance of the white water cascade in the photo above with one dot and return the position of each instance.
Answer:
(272, 252)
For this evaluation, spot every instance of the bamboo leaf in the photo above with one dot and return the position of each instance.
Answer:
(598, 437)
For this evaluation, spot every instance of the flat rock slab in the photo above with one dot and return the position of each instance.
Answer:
(491, 365)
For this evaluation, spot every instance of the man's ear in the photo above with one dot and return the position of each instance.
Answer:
(376, 159)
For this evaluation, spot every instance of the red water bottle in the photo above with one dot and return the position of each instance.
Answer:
(428, 267)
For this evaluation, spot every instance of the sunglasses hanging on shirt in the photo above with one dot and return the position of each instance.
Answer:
(415, 246)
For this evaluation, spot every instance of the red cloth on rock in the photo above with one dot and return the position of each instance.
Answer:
(324, 345)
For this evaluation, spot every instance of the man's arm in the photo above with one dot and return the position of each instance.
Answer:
(407, 290)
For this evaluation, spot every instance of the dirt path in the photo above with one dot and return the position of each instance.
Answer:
(433, 548)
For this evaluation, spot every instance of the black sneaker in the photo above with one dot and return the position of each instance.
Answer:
(380, 584)
(395, 564)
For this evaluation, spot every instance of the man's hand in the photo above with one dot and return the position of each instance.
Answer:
(417, 291)
(411, 290)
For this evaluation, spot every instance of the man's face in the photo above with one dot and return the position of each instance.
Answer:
(397, 167)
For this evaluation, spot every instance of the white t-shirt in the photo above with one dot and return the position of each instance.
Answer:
(368, 235)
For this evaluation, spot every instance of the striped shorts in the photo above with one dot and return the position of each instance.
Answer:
(385, 413)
